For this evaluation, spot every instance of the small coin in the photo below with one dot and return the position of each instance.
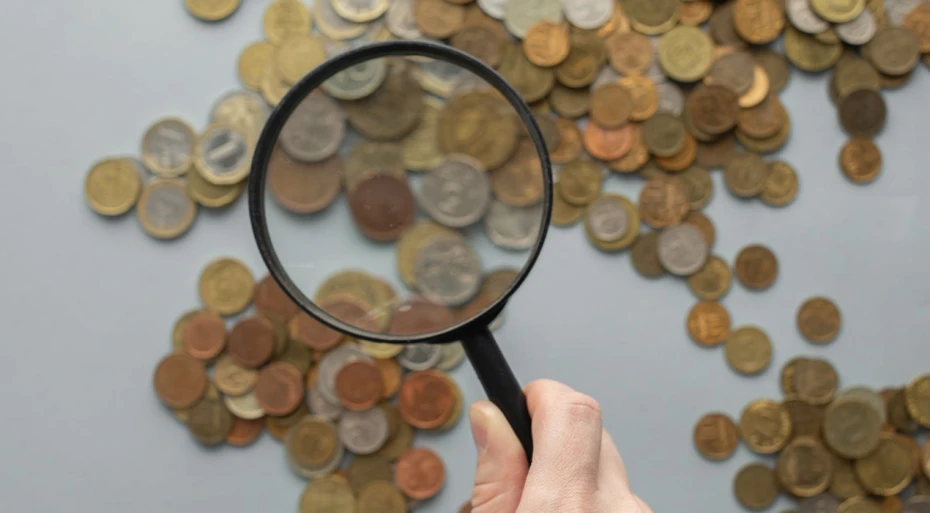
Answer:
(315, 130)
(225, 286)
(382, 207)
(438, 19)
(814, 381)
(515, 228)
(180, 381)
(808, 53)
(586, 55)
(645, 255)
(887, 469)
(363, 432)
(271, 301)
(682, 250)
(611, 222)
(279, 388)
(685, 53)
(709, 323)
(457, 193)
(419, 473)
(663, 202)
(284, 18)
(426, 399)
(860, 160)
(447, 270)
(168, 147)
(165, 211)
(209, 421)
(210, 195)
(223, 155)
(755, 486)
(917, 400)
(756, 267)
(112, 186)
(818, 320)
(851, 427)
(748, 350)
(804, 467)
(781, 184)
(765, 426)
(204, 336)
(580, 182)
(862, 112)
(712, 281)
(546, 43)
(745, 174)
(609, 144)
(481, 125)
(519, 182)
(715, 436)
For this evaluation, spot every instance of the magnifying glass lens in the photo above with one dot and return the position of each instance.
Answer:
(403, 197)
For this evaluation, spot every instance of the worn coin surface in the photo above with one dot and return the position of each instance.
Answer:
(755, 486)
(682, 250)
(708, 323)
(447, 270)
(851, 427)
(315, 130)
(168, 147)
(756, 267)
(804, 467)
(765, 426)
(363, 432)
(165, 211)
(715, 436)
(818, 320)
(457, 193)
(748, 350)
(513, 227)
(112, 186)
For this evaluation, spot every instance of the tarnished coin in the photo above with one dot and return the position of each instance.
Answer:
(888, 468)
(808, 53)
(392, 111)
(748, 350)
(457, 193)
(712, 281)
(917, 399)
(209, 421)
(682, 250)
(806, 419)
(663, 202)
(756, 267)
(382, 206)
(223, 154)
(715, 436)
(447, 270)
(663, 134)
(755, 486)
(481, 125)
(482, 39)
(585, 58)
(357, 81)
(363, 432)
(685, 53)
(211, 10)
(165, 211)
(519, 182)
(167, 147)
(893, 51)
(312, 447)
(818, 320)
(708, 323)
(328, 21)
(765, 426)
(781, 184)
(860, 160)
(421, 148)
(804, 467)
(180, 381)
(330, 494)
(859, 30)
(814, 381)
(851, 427)
(745, 174)
(400, 21)
(514, 228)
(611, 222)
(112, 186)
(315, 130)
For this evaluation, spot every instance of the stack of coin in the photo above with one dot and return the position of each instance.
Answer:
(838, 450)
(322, 394)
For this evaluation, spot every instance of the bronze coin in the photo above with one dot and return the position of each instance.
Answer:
(569, 147)
(417, 316)
(426, 399)
(204, 335)
(585, 58)
(715, 436)
(279, 389)
(708, 323)
(715, 154)
(764, 120)
(438, 19)
(611, 106)
(180, 381)
(419, 473)
(756, 267)
(862, 112)
(663, 134)
(359, 385)
(806, 418)
(382, 207)
(482, 41)
(252, 342)
(663, 202)
(245, 432)
(606, 144)
(570, 103)
(302, 187)
(704, 225)
(271, 301)
(393, 110)
(745, 174)
(630, 53)
(713, 109)
(818, 320)
(645, 256)
(860, 160)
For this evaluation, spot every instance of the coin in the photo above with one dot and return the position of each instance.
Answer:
(360, 11)
(806, 419)
(917, 400)
(392, 111)
(781, 184)
(419, 357)
(164, 209)
(209, 421)
(284, 18)
(419, 473)
(663, 134)
(223, 155)
(893, 51)
(733, 71)
(862, 112)
(357, 81)
(112, 186)
(787, 379)
(685, 53)
(315, 129)
(748, 350)
(609, 144)
(755, 486)
(531, 81)
(804, 467)
(697, 185)
(758, 21)
(519, 182)
(180, 381)
(438, 19)
(715, 436)
(478, 124)
(359, 385)
(745, 174)
(712, 281)
(520, 15)
(606, 217)
(844, 484)
(708, 323)
(328, 21)
(426, 399)
(457, 193)
(682, 250)
(587, 53)
(546, 43)
(363, 432)
(820, 503)
(579, 182)
(204, 336)
(244, 406)
(663, 202)
(756, 267)
(838, 12)
(611, 106)
(765, 426)
(514, 228)
(327, 495)
(645, 256)
(634, 159)
(244, 432)
(380, 495)
(808, 53)
(851, 427)
(722, 28)
(382, 207)
(211, 10)
(447, 270)
(231, 378)
(859, 30)
(888, 468)
(818, 320)
(167, 147)
(569, 147)
(860, 160)
(225, 286)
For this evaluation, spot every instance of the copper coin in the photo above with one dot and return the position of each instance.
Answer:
(252, 342)
(419, 473)
(426, 399)
(303, 187)
(663, 202)
(382, 207)
(271, 301)
(860, 160)
(756, 267)
(709, 323)
(863, 112)
(320, 337)
(180, 381)
(681, 160)
(244, 432)
(481, 40)
(714, 155)
(713, 109)
(416, 316)
(606, 144)
(611, 106)
(359, 385)
(482, 301)
(630, 53)
(715, 436)
(818, 320)
(204, 335)
(279, 389)
(764, 120)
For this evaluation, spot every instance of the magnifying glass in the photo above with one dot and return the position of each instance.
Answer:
(392, 215)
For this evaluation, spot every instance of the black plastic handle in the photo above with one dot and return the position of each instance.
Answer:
(500, 384)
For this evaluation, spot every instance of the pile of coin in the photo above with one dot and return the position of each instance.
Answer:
(320, 393)
(838, 450)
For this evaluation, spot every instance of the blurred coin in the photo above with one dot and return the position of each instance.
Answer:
(316, 115)
(755, 486)
(520, 15)
(859, 30)
(887, 469)
(419, 357)
(400, 21)
(663, 202)
(209, 421)
(321, 407)
(284, 18)
(531, 81)
(457, 193)
(708, 323)
(332, 25)
(478, 124)
(748, 350)
(244, 406)
(851, 427)
(609, 144)
(360, 11)
(279, 388)
(804, 467)
(204, 336)
(803, 17)
(806, 419)
(211, 10)
(519, 182)
(165, 211)
(585, 57)
(253, 61)
(450, 356)
(756, 267)
(223, 154)
(392, 111)
(447, 270)
(860, 160)
(712, 281)
(765, 426)
(419, 473)
(917, 399)
(513, 227)
(820, 503)
(715, 436)
(363, 432)
(759, 21)
(330, 365)
(225, 286)
(381, 495)
(312, 447)
(112, 186)
(245, 432)
(818, 320)
(685, 53)
(682, 250)
(168, 147)
(359, 385)
(781, 184)
(645, 256)
(546, 43)
(426, 400)
(180, 381)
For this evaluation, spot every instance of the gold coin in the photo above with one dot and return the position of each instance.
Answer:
(580, 182)
(748, 350)
(844, 484)
(704, 225)
(409, 244)
(211, 10)
(681, 160)
(611, 106)
(765, 426)
(563, 212)
(818, 320)
(781, 184)
(860, 160)
(838, 11)
(686, 53)
(226, 286)
(745, 174)
(568, 102)
(698, 187)
(547, 43)
(165, 211)
(607, 215)
(851, 427)
(887, 469)
(233, 379)
(585, 59)
(112, 186)
(438, 19)
(253, 62)
(708, 323)
(712, 281)
(917, 400)
(695, 12)
(211, 195)
(569, 147)
(663, 134)
(379, 350)
(758, 21)
(285, 18)
(209, 421)
(635, 159)
(330, 494)
(167, 147)
(273, 86)
(755, 486)
(814, 381)
(804, 467)
(644, 95)
(808, 53)
(715, 436)
(298, 55)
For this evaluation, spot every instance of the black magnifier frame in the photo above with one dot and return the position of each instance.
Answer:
(490, 365)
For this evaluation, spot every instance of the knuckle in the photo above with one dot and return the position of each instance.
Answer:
(582, 405)
(492, 497)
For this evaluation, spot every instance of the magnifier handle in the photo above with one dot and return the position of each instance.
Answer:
(501, 385)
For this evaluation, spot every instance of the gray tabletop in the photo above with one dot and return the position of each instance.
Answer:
(88, 303)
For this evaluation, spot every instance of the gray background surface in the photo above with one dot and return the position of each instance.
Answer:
(88, 303)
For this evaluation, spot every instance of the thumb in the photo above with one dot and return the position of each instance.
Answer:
(501, 472)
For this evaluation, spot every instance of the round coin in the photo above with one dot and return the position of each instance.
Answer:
(804, 467)
(781, 184)
(748, 350)
(447, 270)
(860, 160)
(715, 436)
(167, 147)
(165, 211)
(515, 228)
(112, 186)
(708, 323)
(851, 427)
(765, 426)
(712, 281)
(755, 486)
(457, 193)
(180, 381)
(682, 249)
(756, 267)
(279, 388)
(818, 320)
(888, 468)
(419, 473)
(685, 53)
(364, 432)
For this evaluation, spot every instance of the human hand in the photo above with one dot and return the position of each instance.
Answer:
(576, 466)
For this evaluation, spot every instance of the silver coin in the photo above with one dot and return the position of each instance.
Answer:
(607, 220)
(869, 396)
(400, 21)
(860, 30)
(328, 21)
(804, 18)
(821, 503)
(447, 270)
(364, 432)
(360, 10)
(671, 99)
(224, 154)
(520, 15)
(242, 109)
(682, 249)
(457, 193)
(513, 227)
(168, 207)
(607, 75)
(917, 504)
(496, 9)
(310, 472)
(357, 81)
(332, 363)
(450, 356)
(168, 147)
(897, 10)
(588, 14)
(315, 129)
(420, 357)
(244, 406)
(322, 407)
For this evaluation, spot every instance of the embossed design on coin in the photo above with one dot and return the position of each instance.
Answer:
(682, 250)
(457, 193)
(513, 227)
(168, 147)
(363, 432)
(447, 270)
(315, 129)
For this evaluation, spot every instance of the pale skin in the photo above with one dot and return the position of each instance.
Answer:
(576, 466)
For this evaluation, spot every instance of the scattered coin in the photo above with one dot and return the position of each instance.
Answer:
(682, 250)
(167, 147)
(715, 436)
(112, 186)
(819, 320)
(748, 350)
(765, 426)
(804, 467)
(755, 486)
(165, 211)
(860, 160)
(756, 267)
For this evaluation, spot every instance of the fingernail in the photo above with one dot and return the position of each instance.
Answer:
(480, 421)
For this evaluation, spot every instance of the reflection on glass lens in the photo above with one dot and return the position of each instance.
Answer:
(404, 197)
